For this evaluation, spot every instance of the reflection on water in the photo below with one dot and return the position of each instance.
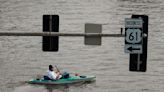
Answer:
(41, 88)
(51, 88)
(57, 88)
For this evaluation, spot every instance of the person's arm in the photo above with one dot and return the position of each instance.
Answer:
(57, 69)
(58, 75)
(55, 76)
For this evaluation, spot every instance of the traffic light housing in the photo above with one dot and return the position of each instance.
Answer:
(50, 24)
(142, 57)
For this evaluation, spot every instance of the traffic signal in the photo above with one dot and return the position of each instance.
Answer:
(50, 24)
(138, 62)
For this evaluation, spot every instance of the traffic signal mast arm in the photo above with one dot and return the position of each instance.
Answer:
(58, 34)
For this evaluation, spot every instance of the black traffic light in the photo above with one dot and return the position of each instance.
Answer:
(140, 66)
(50, 24)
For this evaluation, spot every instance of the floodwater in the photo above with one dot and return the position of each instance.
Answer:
(22, 58)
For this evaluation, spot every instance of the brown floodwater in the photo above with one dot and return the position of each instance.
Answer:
(22, 58)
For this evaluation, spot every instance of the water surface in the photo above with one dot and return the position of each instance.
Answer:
(22, 58)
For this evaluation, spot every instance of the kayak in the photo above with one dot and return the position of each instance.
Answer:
(70, 80)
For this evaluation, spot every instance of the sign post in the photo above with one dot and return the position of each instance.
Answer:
(136, 35)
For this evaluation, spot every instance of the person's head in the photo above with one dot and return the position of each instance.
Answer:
(51, 68)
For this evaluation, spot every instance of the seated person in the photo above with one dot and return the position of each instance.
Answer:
(53, 75)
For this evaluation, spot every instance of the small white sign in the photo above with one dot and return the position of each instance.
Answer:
(133, 23)
(133, 49)
(133, 35)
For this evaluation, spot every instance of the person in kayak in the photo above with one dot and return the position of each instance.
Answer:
(53, 75)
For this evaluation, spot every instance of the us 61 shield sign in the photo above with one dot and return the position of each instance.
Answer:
(133, 36)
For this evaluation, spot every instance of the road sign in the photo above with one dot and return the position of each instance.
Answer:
(93, 28)
(133, 23)
(133, 49)
(133, 35)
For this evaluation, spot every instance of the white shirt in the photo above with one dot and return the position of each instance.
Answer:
(52, 75)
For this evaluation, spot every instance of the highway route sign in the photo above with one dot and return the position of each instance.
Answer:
(133, 36)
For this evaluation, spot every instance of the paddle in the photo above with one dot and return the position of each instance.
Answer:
(76, 74)
(57, 69)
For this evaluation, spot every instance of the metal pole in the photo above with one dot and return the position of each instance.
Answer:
(138, 62)
(58, 34)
